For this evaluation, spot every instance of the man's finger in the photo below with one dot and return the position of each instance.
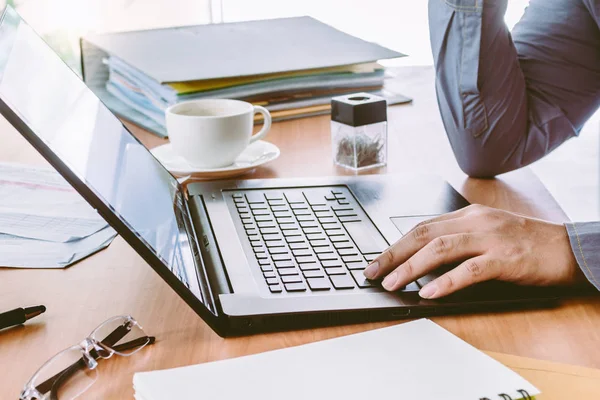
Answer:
(473, 270)
(412, 242)
(441, 250)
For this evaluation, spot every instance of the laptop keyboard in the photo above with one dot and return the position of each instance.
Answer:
(310, 239)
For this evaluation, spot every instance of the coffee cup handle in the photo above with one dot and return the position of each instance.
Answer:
(266, 126)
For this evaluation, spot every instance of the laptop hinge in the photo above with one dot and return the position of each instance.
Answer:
(209, 295)
(209, 256)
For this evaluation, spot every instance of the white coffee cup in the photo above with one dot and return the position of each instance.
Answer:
(212, 133)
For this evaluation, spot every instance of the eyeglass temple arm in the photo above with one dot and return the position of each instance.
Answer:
(55, 381)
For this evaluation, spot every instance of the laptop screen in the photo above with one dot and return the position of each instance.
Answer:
(68, 118)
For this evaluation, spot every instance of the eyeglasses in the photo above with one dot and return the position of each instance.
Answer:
(72, 371)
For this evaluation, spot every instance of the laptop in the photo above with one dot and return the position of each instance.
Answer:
(246, 255)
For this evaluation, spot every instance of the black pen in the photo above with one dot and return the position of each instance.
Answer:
(19, 316)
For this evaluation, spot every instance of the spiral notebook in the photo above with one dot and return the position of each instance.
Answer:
(414, 360)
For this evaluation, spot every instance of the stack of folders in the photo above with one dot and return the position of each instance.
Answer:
(292, 66)
(415, 360)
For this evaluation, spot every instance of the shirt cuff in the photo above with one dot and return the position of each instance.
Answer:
(585, 242)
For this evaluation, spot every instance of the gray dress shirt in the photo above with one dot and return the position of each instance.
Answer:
(507, 99)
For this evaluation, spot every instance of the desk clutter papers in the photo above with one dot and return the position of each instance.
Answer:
(44, 222)
(414, 360)
(291, 66)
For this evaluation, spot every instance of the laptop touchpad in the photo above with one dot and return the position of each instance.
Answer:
(405, 224)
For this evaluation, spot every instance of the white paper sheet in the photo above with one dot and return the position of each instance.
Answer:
(414, 361)
(30, 253)
(44, 222)
(37, 203)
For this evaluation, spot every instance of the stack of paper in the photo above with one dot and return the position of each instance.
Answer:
(44, 222)
(277, 92)
(292, 66)
(415, 360)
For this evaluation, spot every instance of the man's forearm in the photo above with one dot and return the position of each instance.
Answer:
(498, 115)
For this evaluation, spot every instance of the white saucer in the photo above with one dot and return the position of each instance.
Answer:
(255, 155)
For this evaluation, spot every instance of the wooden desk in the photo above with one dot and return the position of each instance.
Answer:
(117, 281)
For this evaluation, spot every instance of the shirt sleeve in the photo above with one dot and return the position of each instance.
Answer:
(585, 242)
(507, 99)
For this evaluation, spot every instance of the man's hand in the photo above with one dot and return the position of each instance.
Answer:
(489, 243)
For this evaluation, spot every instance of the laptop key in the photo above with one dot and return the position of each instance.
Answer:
(285, 220)
(342, 281)
(371, 257)
(360, 279)
(299, 246)
(301, 205)
(343, 245)
(323, 249)
(255, 197)
(260, 212)
(283, 213)
(302, 212)
(327, 220)
(258, 206)
(309, 224)
(336, 271)
(318, 284)
(351, 259)
(327, 256)
(291, 232)
(305, 259)
(284, 264)
(319, 207)
(305, 217)
(411, 287)
(266, 268)
(269, 274)
(360, 265)
(278, 250)
(272, 281)
(345, 213)
(291, 279)
(331, 263)
(256, 244)
(281, 257)
(287, 271)
(275, 243)
(313, 274)
(268, 231)
(254, 238)
(336, 238)
(272, 236)
(333, 228)
(337, 207)
(261, 256)
(295, 287)
(263, 218)
(315, 236)
(294, 197)
(348, 252)
(294, 238)
(264, 262)
(289, 227)
(279, 208)
(273, 195)
(277, 203)
(266, 224)
(315, 197)
(310, 266)
(275, 288)
(319, 243)
(311, 231)
(302, 253)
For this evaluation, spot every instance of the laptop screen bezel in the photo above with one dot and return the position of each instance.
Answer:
(212, 319)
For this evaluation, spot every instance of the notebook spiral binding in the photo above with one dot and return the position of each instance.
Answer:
(504, 396)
